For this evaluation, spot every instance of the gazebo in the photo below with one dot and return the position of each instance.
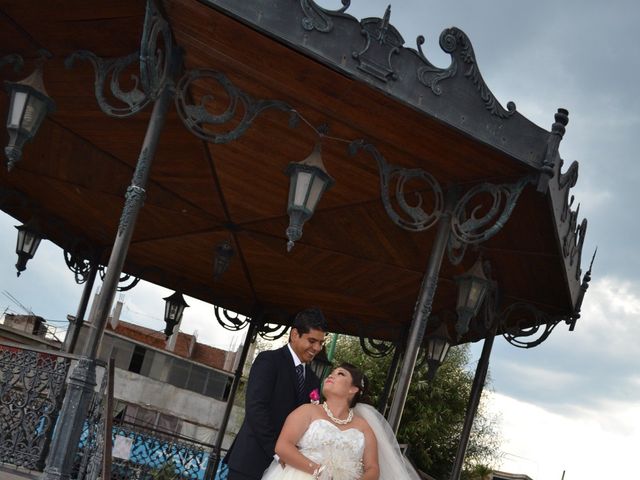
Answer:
(433, 215)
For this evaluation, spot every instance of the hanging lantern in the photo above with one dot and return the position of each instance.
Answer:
(29, 238)
(28, 106)
(173, 310)
(309, 180)
(438, 344)
(224, 253)
(472, 288)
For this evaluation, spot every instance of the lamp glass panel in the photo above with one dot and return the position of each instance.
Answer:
(33, 114)
(18, 103)
(463, 293)
(31, 243)
(302, 188)
(317, 187)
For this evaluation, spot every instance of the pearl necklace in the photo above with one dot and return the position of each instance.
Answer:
(337, 420)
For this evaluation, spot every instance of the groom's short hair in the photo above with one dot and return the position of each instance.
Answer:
(310, 319)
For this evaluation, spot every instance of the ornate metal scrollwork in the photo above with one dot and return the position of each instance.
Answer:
(153, 63)
(456, 43)
(199, 120)
(419, 220)
(12, 59)
(272, 332)
(78, 262)
(430, 75)
(532, 326)
(467, 228)
(318, 18)
(383, 41)
(126, 281)
(229, 320)
(376, 348)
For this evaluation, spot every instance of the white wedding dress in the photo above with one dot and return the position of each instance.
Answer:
(340, 451)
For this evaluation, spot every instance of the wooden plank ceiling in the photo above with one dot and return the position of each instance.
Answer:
(353, 262)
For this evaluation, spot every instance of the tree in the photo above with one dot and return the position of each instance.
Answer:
(434, 412)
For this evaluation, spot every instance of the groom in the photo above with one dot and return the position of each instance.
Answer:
(279, 382)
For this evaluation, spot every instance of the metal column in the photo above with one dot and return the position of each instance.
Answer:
(74, 328)
(214, 458)
(83, 378)
(474, 401)
(421, 315)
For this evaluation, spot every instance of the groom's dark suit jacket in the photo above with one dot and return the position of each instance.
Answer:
(271, 395)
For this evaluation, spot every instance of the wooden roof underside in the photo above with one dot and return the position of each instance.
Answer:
(353, 261)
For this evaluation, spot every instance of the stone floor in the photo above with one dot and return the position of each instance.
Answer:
(9, 473)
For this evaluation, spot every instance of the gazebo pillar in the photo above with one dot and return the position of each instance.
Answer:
(391, 377)
(82, 380)
(474, 401)
(71, 338)
(421, 313)
(215, 457)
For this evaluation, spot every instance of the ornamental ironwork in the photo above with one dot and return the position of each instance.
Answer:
(410, 217)
(376, 348)
(89, 457)
(476, 220)
(382, 42)
(318, 18)
(199, 118)
(12, 59)
(153, 59)
(229, 320)
(32, 386)
(126, 281)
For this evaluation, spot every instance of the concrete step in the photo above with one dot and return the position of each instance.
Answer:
(10, 473)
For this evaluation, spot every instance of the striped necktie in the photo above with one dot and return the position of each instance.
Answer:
(300, 375)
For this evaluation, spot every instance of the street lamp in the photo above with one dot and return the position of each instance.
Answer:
(28, 106)
(29, 237)
(472, 288)
(438, 344)
(224, 252)
(173, 310)
(309, 180)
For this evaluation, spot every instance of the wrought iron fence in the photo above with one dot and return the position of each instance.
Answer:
(32, 386)
(89, 457)
(145, 454)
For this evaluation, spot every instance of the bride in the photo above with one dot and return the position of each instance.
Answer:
(339, 439)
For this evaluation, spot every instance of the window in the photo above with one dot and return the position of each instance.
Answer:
(135, 365)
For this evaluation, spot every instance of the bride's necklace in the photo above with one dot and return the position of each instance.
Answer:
(337, 420)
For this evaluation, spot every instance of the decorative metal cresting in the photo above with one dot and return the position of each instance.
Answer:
(382, 42)
(532, 326)
(318, 18)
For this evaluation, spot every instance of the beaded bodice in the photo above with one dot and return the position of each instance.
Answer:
(340, 451)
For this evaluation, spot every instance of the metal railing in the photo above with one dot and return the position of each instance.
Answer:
(32, 388)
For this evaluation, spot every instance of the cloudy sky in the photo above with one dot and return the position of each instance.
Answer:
(571, 404)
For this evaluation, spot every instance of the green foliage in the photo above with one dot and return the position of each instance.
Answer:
(166, 472)
(434, 412)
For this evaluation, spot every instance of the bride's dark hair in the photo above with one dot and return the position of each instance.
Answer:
(358, 379)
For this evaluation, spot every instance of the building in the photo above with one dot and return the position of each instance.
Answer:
(29, 330)
(176, 386)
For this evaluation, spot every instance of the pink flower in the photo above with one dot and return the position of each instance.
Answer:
(314, 396)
